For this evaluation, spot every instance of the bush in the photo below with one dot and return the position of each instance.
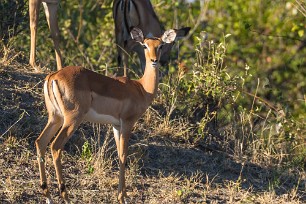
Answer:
(223, 115)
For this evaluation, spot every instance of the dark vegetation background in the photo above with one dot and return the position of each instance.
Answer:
(235, 88)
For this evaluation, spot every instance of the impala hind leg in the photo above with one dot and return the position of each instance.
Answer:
(41, 143)
(51, 15)
(34, 6)
(57, 146)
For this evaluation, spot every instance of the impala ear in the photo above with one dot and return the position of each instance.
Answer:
(180, 33)
(175, 34)
(137, 35)
(169, 36)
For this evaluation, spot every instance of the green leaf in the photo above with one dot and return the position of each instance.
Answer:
(247, 25)
(301, 33)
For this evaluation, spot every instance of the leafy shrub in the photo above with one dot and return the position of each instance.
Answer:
(223, 114)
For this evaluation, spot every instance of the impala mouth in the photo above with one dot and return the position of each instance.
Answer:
(154, 64)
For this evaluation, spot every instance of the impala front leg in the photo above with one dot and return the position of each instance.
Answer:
(123, 147)
(116, 130)
(51, 8)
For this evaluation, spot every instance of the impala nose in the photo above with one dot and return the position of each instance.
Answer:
(154, 62)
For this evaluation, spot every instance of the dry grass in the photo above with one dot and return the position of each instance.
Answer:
(162, 166)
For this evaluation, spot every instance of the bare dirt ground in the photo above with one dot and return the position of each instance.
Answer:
(161, 168)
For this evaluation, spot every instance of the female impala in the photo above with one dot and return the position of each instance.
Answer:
(74, 94)
(137, 13)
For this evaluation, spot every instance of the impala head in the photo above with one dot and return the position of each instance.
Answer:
(154, 46)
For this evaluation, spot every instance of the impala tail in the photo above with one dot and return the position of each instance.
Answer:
(52, 95)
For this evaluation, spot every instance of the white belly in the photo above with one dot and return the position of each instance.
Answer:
(94, 117)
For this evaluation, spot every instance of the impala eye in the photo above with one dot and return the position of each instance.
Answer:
(144, 45)
(160, 46)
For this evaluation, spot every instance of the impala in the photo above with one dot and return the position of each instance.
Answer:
(51, 7)
(137, 13)
(75, 94)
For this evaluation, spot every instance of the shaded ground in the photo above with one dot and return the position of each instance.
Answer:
(161, 169)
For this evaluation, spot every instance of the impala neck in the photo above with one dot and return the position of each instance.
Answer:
(149, 80)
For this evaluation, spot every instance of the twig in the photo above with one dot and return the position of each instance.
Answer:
(199, 20)
(262, 100)
(81, 21)
(300, 7)
(277, 36)
(258, 81)
(20, 117)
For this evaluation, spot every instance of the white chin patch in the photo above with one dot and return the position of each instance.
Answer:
(154, 64)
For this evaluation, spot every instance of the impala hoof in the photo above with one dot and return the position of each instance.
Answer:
(36, 67)
(121, 197)
(63, 192)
